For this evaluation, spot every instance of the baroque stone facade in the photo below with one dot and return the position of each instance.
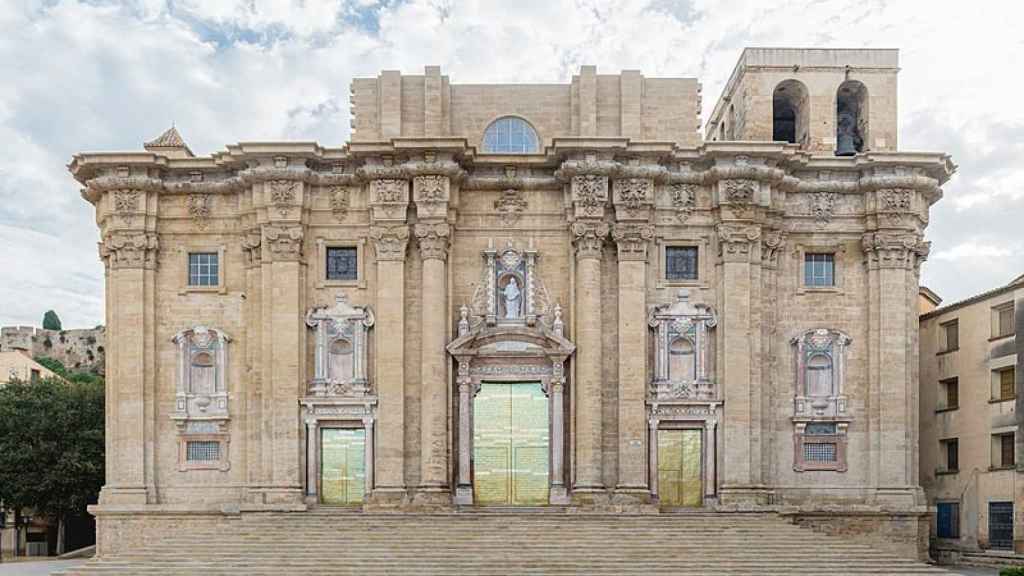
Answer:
(567, 299)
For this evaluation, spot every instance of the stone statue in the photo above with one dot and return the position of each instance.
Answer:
(513, 299)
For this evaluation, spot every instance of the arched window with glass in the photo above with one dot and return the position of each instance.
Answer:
(510, 135)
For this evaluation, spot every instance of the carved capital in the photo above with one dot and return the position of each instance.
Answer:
(736, 242)
(633, 197)
(390, 242)
(589, 194)
(432, 240)
(632, 240)
(124, 250)
(895, 206)
(894, 250)
(588, 237)
(284, 242)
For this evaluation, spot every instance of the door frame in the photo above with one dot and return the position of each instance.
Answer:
(320, 413)
(341, 425)
(685, 425)
(693, 415)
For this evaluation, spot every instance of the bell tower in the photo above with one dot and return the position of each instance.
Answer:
(827, 101)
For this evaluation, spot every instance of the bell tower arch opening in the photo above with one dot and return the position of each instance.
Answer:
(790, 112)
(851, 118)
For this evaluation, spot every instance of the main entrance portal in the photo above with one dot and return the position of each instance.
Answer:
(679, 467)
(342, 466)
(510, 445)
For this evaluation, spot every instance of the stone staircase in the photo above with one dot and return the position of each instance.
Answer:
(327, 542)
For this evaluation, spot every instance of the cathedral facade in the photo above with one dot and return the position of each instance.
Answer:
(517, 295)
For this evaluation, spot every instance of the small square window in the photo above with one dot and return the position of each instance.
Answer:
(819, 269)
(948, 516)
(819, 452)
(342, 263)
(681, 262)
(203, 269)
(202, 451)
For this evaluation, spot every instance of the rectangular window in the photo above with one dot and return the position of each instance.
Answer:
(819, 269)
(341, 263)
(950, 394)
(951, 336)
(203, 269)
(948, 514)
(202, 451)
(35, 376)
(1003, 451)
(681, 262)
(1007, 384)
(819, 452)
(951, 448)
(1003, 318)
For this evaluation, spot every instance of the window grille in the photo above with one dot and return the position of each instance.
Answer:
(819, 269)
(203, 269)
(952, 389)
(1007, 389)
(948, 514)
(681, 262)
(1006, 450)
(510, 135)
(341, 263)
(952, 454)
(202, 451)
(820, 451)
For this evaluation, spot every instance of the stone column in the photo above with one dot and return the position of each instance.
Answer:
(368, 422)
(312, 451)
(558, 493)
(130, 256)
(390, 242)
(632, 240)
(464, 489)
(588, 238)
(433, 243)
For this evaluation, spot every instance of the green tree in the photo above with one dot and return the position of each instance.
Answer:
(51, 321)
(51, 447)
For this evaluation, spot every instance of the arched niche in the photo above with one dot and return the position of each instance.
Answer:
(202, 387)
(341, 349)
(851, 118)
(821, 373)
(790, 112)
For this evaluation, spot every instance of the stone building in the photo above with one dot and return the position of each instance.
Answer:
(971, 363)
(78, 349)
(528, 295)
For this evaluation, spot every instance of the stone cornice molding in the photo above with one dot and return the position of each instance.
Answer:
(894, 250)
(588, 238)
(927, 186)
(737, 241)
(127, 250)
(572, 168)
(743, 171)
(511, 183)
(448, 168)
(259, 174)
(432, 239)
(632, 240)
(95, 187)
(223, 186)
(390, 242)
(284, 242)
(793, 184)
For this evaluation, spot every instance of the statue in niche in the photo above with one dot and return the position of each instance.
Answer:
(513, 299)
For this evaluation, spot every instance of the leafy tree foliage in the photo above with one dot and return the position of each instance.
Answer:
(51, 321)
(51, 445)
(58, 368)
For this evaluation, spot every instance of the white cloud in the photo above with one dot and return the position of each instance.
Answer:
(102, 74)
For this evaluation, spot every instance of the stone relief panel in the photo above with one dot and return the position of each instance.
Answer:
(341, 349)
(201, 391)
(682, 332)
(510, 206)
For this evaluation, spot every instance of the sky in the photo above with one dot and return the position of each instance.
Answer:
(96, 75)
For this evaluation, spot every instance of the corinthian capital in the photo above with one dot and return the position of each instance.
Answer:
(122, 250)
(894, 250)
(632, 240)
(736, 242)
(389, 242)
(588, 237)
(432, 240)
(284, 242)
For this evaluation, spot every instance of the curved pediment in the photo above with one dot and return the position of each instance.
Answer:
(511, 341)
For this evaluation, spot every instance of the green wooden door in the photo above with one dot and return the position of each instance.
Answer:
(511, 445)
(679, 467)
(342, 466)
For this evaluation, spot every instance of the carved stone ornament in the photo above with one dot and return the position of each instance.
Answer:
(736, 240)
(121, 250)
(284, 242)
(510, 291)
(388, 190)
(126, 204)
(684, 199)
(894, 250)
(633, 194)
(341, 348)
(771, 247)
(632, 240)
(433, 240)
(822, 205)
(510, 206)
(590, 193)
(895, 204)
(199, 210)
(682, 334)
(820, 374)
(390, 242)
(252, 246)
(430, 188)
(739, 191)
(201, 393)
(339, 201)
(588, 237)
(282, 195)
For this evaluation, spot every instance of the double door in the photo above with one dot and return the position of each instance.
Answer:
(342, 466)
(511, 445)
(680, 458)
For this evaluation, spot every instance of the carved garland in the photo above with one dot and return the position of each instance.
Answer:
(590, 192)
(282, 195)
(126, 203)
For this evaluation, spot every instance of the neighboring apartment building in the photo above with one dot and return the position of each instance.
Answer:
(971, 361)
(18, 365)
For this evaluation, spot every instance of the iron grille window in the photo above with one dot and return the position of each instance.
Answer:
(202, 451)
(1007, 456)
(819, 451)
(952, 447)
(1007, 379)
(819, 269)
(681, 262)
(341, 263)
(951, 388)
(203, 269)
(1000, 525)
(948, 514)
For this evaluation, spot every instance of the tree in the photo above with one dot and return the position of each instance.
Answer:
(51, 321)
(51, 447)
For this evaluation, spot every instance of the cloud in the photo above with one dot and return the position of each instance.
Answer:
(107, 75)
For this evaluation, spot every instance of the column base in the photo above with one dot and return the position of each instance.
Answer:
(387, 500)
(123, 495)
(590, 497)
(464, 496)
(432, 498)
(558, 496)
(631, 495)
